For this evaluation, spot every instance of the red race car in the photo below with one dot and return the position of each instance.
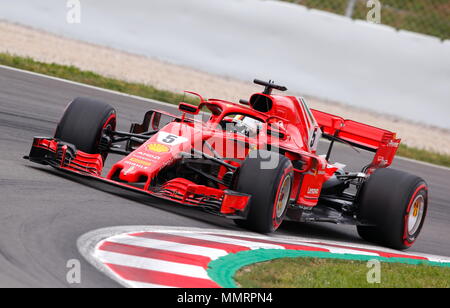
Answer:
(255, 162)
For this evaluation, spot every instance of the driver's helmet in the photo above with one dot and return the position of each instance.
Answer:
(251, 124)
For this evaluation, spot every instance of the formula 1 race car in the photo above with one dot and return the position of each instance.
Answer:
(255, 162)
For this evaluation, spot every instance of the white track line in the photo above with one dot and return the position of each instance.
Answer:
(88, 86)
(422, 163)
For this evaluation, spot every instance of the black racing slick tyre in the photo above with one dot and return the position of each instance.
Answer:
(268, 178)
(83, 123)
(394, 205)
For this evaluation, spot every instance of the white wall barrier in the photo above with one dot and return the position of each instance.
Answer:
(311, 52)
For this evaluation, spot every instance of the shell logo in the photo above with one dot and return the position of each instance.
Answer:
(158, 148)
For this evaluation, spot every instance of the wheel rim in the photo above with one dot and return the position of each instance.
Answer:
(109, 125)
(283, 196)
(415, 215)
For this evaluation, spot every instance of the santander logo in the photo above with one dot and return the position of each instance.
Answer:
(313, 191)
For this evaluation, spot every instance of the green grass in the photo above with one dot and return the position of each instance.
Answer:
(75, 74)
(423, 16)
(328, 273)
(424, 155)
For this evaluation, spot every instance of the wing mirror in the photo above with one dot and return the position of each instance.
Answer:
(188, 108)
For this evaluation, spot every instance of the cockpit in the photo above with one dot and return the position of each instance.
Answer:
(242, 124)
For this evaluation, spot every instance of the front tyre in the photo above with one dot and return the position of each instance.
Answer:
(395, 204)
(268, 178)
(83, 123)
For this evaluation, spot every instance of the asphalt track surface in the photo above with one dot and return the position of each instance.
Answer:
(44, 212)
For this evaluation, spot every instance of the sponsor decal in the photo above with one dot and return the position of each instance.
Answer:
(158, 148)
(151, 157)
(170, 139)
(129, 170)
(313, 191)
(140, 161)
(134, 165)
(393, 144)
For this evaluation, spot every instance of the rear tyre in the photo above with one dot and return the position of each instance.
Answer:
(83, 123)
(396, 204)
(268, 178)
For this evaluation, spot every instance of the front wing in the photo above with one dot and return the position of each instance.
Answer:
(65, 157)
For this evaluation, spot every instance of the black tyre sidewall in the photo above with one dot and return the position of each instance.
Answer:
(263, 185)
(384, 202)
(83, 122)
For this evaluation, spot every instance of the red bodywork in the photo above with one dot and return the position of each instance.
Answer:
(298, 128)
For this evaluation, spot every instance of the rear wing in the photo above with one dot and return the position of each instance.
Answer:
(382, 142)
